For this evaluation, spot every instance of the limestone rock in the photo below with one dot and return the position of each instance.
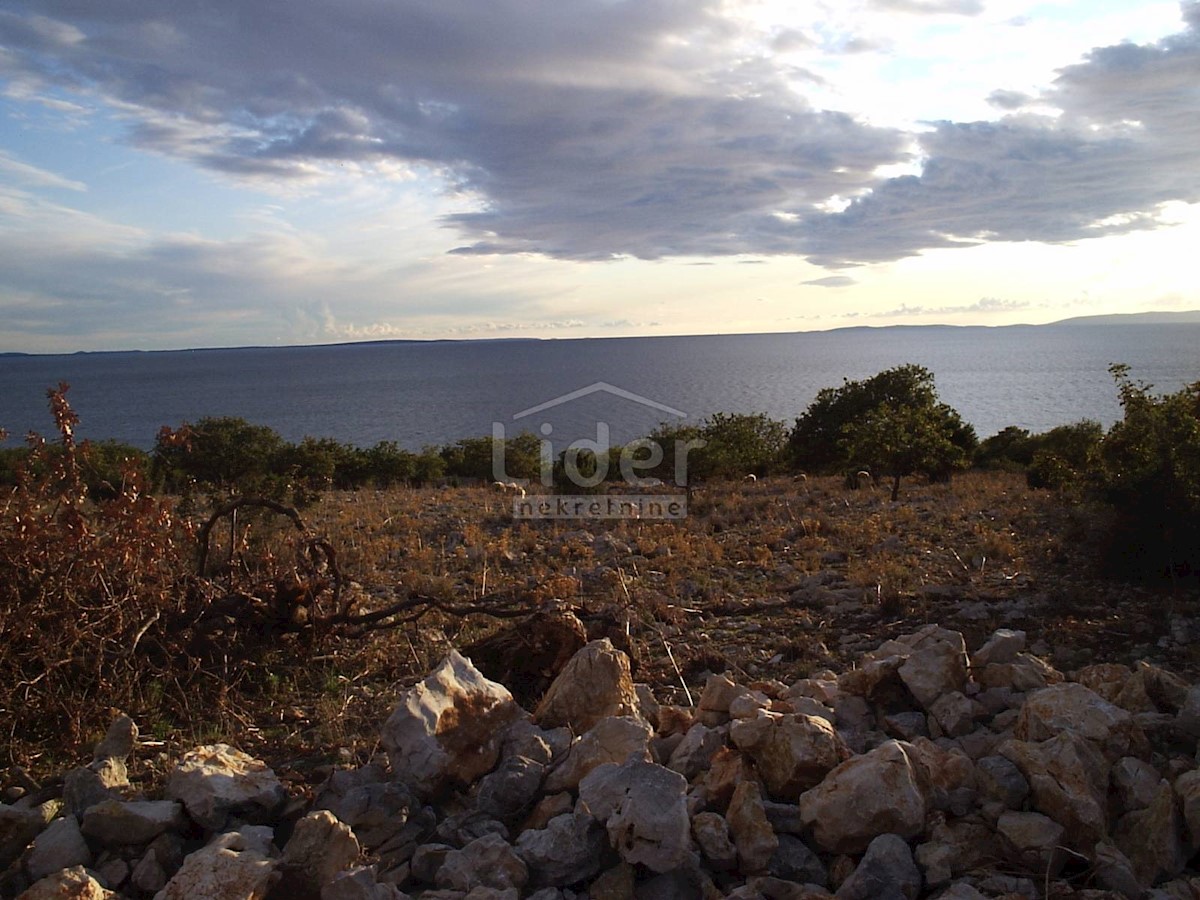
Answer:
(793, 860)
(1002, 647)
(375, 808)
(60, 846)
(512, 788)
(68, 884)
(864, 797)
(86, 786)
(216, 781)
(1034, 840)
(793, 753)
(936, 665)
(320, 847)
(1151, 838)
(644, 810)
(998, 778)
(1187, 789)
(118, 741)
(1114, 871)
(1068, 778)
(946, 777)
(1188, 718)
(727, 769)
(886, 872)
(611, 740)
(956, 714)
(719, 693)
(753, 836)
(230, 867)
(572, 847)
(695, 751)
(1135, 783)
(488, 861)
(595, 684)
(115, 822)
(360, 883)
(17, 828)
(1073, 707)
(449, 728)
(712, 834)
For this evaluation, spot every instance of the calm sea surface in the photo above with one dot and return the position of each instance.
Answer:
(433, 393)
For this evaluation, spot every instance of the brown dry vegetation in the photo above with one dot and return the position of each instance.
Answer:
(770, 580)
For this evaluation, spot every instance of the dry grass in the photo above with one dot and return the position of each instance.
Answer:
(767, 580)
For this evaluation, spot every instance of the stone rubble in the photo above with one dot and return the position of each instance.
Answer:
(924, 771)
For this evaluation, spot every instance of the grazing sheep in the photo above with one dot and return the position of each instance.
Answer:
(855, 480)
(499, 487)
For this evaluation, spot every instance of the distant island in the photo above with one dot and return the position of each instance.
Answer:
(1187, 317)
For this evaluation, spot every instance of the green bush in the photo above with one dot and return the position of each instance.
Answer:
(1064, 457)
(896, 441)
(225, 453)
(845, 427)
(1009, 450)
(475, 457)
(1150, 473)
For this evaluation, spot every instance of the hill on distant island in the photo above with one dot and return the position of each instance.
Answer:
(1186, 317)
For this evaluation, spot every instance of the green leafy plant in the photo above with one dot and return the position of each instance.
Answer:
(852, 426)
(1150, 473)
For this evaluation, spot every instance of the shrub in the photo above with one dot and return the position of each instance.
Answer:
(1150, 473)
(844, 425)
(739, 444)
(895, 441)
(226, 453)
(82, 582)
(476, 457)
(1009, 450)
(1063, 457)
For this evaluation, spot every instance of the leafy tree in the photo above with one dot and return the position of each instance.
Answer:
(680, 446)
(896, 441)
(385, 464)
(223, 452)
(1150, 473)
(473, 457)
(1010, 449)
(1063, 456)
(740, 444)
(822, 437)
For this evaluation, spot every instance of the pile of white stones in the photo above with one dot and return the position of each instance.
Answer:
(924, 771)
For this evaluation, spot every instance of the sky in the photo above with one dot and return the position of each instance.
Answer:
(176, 173)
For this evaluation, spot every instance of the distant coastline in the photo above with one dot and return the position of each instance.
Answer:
(1184, 317)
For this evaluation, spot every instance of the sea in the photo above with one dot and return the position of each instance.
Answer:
(607, 390)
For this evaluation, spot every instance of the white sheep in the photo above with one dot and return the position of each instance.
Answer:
(751, 478)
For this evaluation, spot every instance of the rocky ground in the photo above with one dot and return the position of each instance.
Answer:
(924, 771)
(809, 719)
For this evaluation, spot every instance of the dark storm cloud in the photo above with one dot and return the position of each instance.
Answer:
(589, 129)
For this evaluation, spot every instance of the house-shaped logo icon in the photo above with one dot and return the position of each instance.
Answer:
(599, 387)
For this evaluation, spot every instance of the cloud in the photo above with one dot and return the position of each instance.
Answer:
(1126, 141)
(1008, 100)
(586, 130)
(597, 129)
(931, 7)
(983, 305)
(832, 281)
(35, 176)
